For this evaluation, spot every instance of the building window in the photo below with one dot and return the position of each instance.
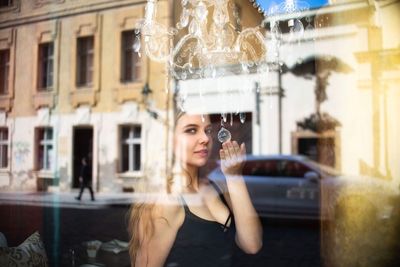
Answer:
(46, 66)
(44, 143)
(85, 57)
(3, 148)
(6, 3)
(130, 61)
(130, 148)
(4, 71)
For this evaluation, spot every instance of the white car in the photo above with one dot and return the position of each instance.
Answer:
(291, 186)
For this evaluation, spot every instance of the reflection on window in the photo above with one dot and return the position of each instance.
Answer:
(130, 61)
(3, 147)
(130, 148)
(237, 15)
(85, 53)
(4, 71)
(262, 168)
(294, 169)
(45, 67)
(44, 148)
(275, 168)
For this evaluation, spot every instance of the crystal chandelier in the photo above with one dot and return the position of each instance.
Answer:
(208, 44)
(208, 41)
(293, 7)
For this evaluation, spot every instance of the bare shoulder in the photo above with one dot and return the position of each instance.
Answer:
(211, 191)
(165, 220)
(207, 189)
(168, 208)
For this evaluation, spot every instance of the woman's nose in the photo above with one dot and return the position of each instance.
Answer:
(204, 138)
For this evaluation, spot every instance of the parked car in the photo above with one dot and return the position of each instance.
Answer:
(292, 186)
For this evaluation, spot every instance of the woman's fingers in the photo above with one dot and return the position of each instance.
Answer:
(225, 146)
(237, 149)
(232, 150)
(222, 154)
(243, 148)
(243, 151)
(224, 159)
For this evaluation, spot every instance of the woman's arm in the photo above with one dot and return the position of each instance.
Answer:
(248, 225)
(154, 249)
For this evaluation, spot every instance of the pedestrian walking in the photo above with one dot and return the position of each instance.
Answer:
(85, 178)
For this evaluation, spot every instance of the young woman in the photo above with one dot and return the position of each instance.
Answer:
(175, 232)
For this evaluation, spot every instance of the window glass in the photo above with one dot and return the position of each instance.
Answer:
(4, 71)
(94, 97)
(45, 68)
(45, 148)
(3, 147)
(125, 158)
(137, 130)
(6, 3)
(137, 152)
(85, 46)
(130, 61)
(130, 148)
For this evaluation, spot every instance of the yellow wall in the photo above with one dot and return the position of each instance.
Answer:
(63, 22)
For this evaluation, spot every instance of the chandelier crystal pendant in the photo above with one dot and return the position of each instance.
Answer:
(296, 27)
(208, 40)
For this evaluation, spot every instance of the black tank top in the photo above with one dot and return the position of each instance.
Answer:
(201, 242)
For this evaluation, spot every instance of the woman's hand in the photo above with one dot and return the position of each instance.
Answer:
(232, 158)
(248, 225)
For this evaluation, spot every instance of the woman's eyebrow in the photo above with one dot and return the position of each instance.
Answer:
(191, 125)
(195, 125)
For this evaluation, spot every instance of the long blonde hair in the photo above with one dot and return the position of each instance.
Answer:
(141, 215)
(139, 212)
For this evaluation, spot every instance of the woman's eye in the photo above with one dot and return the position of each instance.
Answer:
(209, 131)
(192, 130)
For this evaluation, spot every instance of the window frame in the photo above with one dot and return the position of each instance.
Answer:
(41, 143)
(5, 71)
(4, 143)
(131, 142)
(88, 57)
(43, 66)
(129, 58)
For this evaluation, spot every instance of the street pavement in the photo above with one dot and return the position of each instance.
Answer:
(67, 199)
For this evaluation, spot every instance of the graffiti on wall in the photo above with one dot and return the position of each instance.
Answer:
(21, 175)
(21, 153)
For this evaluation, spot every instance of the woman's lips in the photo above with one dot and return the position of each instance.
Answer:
(202, 153)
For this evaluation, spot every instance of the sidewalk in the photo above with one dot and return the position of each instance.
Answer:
(67, 199)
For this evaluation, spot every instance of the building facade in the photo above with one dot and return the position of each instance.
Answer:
(71, 86)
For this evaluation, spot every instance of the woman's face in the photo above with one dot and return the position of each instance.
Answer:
(192, 140)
